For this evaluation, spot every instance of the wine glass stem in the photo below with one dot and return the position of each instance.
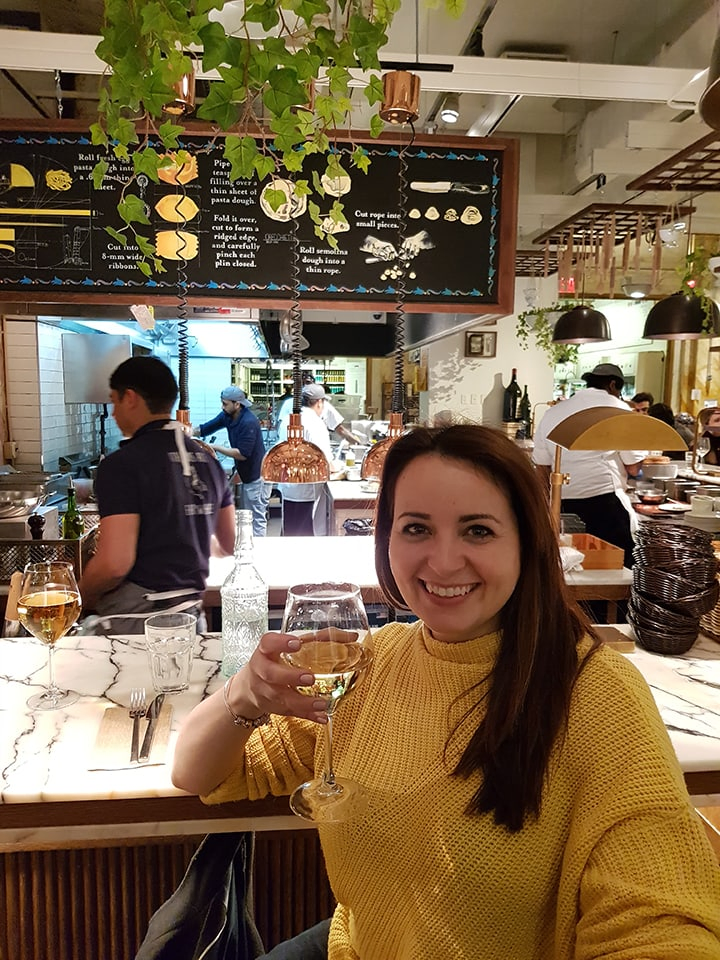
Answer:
(52, 690)
(329, 774)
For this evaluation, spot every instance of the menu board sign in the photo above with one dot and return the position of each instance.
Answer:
(222, 240)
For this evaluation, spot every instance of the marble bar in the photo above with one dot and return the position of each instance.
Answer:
(49, 798)
(353, 558)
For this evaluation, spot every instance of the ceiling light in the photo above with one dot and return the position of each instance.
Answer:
(682, 317)
(450, 111)
(636, 291)
(582, 324)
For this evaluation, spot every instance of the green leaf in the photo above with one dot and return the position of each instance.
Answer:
(306, 65)
(374, 92)
(220, 105)
(314, 211)
(98, 173)
(455, 7)
(264, 166)
(284, 92)
(98, 135)
(334, 167)
(214, 41)
(145, 246)
(132, 209)
(170, 133)
(361, 159)
(242, 154)
(125, 132)
(339, 78)
(302, 188)
(286, 131)
(376, 125)
(145, 267)
(307, 9)
(367, 38)
(263, 13)
(119, 237)
(317, 183)
(147, 161)
(292, 160)
(204, 6)
(275, 198)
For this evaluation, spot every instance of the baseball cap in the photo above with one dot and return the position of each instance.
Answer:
(313, 392)
(236, 395)
(605, 370)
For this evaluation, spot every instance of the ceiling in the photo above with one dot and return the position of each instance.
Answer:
(597, 92)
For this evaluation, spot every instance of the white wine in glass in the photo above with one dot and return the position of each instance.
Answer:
(49, 605)
(331, 622)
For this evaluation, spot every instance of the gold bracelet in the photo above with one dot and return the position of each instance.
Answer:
(249, 724)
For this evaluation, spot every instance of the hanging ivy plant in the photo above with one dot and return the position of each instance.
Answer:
(538, 324)
(697, 278)
(265, 85)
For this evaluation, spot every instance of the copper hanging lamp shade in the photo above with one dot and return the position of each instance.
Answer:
(184, 99)
(582, 324)
(372, 465)
(709, 103)
(295, 460)
(401, 97)
(683, 316)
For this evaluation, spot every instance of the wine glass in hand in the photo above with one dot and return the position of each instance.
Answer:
(702, 449)
(330, 621)
(49, 605)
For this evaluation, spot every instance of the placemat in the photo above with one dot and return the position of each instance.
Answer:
(114, 739)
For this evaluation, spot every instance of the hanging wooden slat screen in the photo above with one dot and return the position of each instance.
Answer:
(599, 216)
(694, 169)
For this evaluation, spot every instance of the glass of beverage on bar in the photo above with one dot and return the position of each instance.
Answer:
(331, 622)
(49, 605)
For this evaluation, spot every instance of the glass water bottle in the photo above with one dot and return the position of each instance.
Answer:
(244, 596)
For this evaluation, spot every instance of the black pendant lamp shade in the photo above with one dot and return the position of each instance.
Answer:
(683, 316)
(709, 104)
(581, 325)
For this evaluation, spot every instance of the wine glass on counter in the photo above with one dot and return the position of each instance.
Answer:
(49, 605)
(331, 622)
(702, 449)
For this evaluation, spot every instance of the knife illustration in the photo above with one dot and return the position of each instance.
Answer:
(152, 714)
(449, 186)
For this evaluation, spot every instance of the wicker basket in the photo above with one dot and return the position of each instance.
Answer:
(710, 622)
(15, 554)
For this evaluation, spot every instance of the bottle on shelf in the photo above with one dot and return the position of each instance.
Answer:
(525, 411)
(511, 399)
(244, 599)
(73, 525)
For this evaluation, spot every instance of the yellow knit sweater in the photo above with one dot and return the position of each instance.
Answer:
(616, 866)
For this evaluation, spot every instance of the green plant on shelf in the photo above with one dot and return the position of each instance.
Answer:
(538, 324)
(697, 278)
(278, 99)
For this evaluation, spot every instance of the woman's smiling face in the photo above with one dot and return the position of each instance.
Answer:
(454, 547)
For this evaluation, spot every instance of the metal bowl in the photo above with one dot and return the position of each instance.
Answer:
(16, 503)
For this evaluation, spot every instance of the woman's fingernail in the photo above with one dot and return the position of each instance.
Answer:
(294, 644)
(306, 679)
(320, 705)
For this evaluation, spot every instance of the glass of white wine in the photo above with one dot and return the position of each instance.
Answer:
(49, 605)
(331, 622)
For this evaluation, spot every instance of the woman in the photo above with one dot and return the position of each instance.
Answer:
(525, 799)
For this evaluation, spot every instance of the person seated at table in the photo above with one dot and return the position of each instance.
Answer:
(712, 431)
(661, 411)
(525, 801)
(161, 497)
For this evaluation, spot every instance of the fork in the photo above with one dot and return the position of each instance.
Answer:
(137, 711)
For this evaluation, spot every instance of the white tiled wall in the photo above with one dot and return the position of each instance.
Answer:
(40, 422)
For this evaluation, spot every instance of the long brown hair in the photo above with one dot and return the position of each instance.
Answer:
(528, 699)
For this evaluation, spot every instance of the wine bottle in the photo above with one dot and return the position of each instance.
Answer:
(511, 399)
(244, 598)
(73, 525)
(525, 412)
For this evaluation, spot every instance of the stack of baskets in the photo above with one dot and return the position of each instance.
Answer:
(710, 622)
(674, 584)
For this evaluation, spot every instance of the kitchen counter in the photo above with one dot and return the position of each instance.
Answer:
(348, 500)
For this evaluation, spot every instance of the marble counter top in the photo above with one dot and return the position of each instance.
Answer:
(49, 797)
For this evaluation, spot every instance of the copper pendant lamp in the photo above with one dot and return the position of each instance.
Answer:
(582, 324)
(683, 316)
(295, 460)
(401, 96)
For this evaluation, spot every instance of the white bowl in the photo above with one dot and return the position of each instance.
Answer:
(660, 471)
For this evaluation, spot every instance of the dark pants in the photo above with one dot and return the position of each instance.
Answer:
(605, 517)
(310, 945)
(297, 518)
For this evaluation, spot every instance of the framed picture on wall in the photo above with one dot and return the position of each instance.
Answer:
(480, 344)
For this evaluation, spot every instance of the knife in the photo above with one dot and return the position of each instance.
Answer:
(152, 713)
(448, 186)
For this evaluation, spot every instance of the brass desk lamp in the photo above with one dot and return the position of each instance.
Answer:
(605, 428)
